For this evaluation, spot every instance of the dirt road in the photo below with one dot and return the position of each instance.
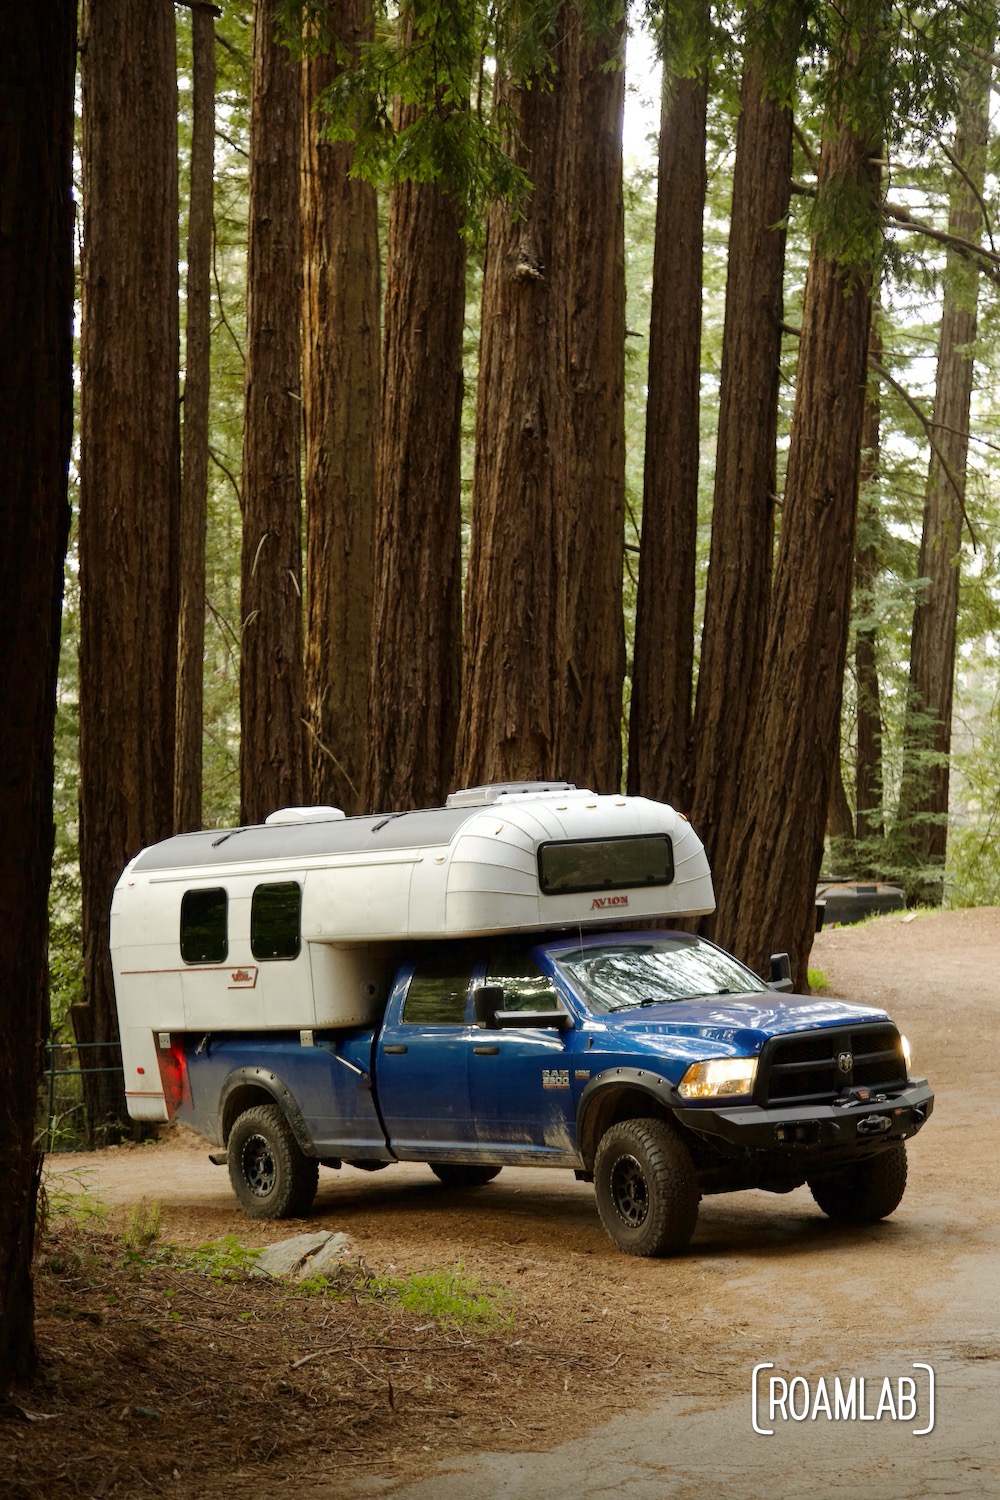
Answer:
(768, 1280)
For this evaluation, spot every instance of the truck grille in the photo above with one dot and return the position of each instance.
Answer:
(805, 1069)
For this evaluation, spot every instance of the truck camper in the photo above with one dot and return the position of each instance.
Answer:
(454, 986)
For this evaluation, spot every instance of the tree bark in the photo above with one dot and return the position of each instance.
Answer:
(417, 610)
(922, 822)
(272, 694)
(37, 72)
(868, 755)
(659, 747)
(340, 387)
(129, 480)
(543, 663)
(194, 474)
(766, 893)
(739, 573)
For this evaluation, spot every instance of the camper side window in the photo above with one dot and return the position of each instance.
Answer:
(204, 938)
(275, 925)
(438, 991)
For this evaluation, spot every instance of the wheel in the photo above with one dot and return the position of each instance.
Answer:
(646, 1186)
(270, 1176)
(866, 1192)
(464, 1177)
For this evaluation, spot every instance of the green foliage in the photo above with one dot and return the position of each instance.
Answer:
(69, 1198)
(223, 1260)
(142, 1226)
(447, 1296)
(417, 103)
(817, 979)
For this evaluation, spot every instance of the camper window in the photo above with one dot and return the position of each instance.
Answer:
(204, 939)
(275, 928)
(577, 865)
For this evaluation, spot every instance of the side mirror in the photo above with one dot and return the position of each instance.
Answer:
(486, 1001)
(781, 973)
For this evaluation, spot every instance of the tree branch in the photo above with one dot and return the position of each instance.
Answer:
(973, 189)
(220, 465)
(988, 261)
(928, 427)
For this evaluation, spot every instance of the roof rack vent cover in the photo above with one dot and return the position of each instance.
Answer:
(295, 815)
(482, 796)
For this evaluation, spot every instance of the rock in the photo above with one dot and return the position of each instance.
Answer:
(302, 1255)
(328, 1257)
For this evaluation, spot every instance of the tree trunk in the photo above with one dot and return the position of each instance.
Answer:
(663, 665)
(922, 822)
(194, 475)
(340, 387)
(739, 573)
(272, 700)
(766, 893)
(417, 612)
(37, 72)
(543, 664)
(840, 823)
(868, 757)
(129, 480)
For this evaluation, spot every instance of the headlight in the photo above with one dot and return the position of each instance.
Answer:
(721, 1076)
(906, 1053)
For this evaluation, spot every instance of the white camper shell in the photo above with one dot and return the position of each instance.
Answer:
(297, 924)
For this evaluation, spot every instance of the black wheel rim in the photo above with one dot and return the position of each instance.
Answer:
(259, 1169)
(629, 1191)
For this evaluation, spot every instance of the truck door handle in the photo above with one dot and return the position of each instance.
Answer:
(395, 1047)
(486, 1051)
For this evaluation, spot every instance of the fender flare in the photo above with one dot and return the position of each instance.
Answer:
(632, 1080)
(272, 1084)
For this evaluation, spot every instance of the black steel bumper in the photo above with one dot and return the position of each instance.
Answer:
(808, 1133)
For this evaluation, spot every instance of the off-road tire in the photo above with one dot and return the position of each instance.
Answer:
(646, 1186)
(866, 1192)
(464, 1177)
(270, 1175)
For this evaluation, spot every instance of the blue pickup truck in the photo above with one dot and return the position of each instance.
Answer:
(650, 1062)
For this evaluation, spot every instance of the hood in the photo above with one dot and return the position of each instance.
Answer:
(736, 1025)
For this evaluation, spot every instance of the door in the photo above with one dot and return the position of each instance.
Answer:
(521, 1081)
(422, 1062)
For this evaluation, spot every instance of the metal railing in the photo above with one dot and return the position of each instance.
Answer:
(52, 1072)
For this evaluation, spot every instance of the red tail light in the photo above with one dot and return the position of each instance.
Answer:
(174, 1077)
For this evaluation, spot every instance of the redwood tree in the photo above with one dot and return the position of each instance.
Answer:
(340, 391)
(129, 477)
(660, 717)
(766, 891)
(194, 473)
(922, 823)
(543, 662)
(37, 68)
(272, 702)
(868, 756)
(416, 622)
(739, 574)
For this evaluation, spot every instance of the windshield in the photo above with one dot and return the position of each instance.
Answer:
(620, 976)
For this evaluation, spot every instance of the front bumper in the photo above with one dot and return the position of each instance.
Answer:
(811, 1133)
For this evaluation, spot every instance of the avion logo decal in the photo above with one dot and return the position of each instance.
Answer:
(243, 979)
(600, 902)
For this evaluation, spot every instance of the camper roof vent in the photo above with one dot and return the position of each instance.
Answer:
(294, 815)
(482, 796)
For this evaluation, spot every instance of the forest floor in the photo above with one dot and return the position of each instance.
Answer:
(493, 1343)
